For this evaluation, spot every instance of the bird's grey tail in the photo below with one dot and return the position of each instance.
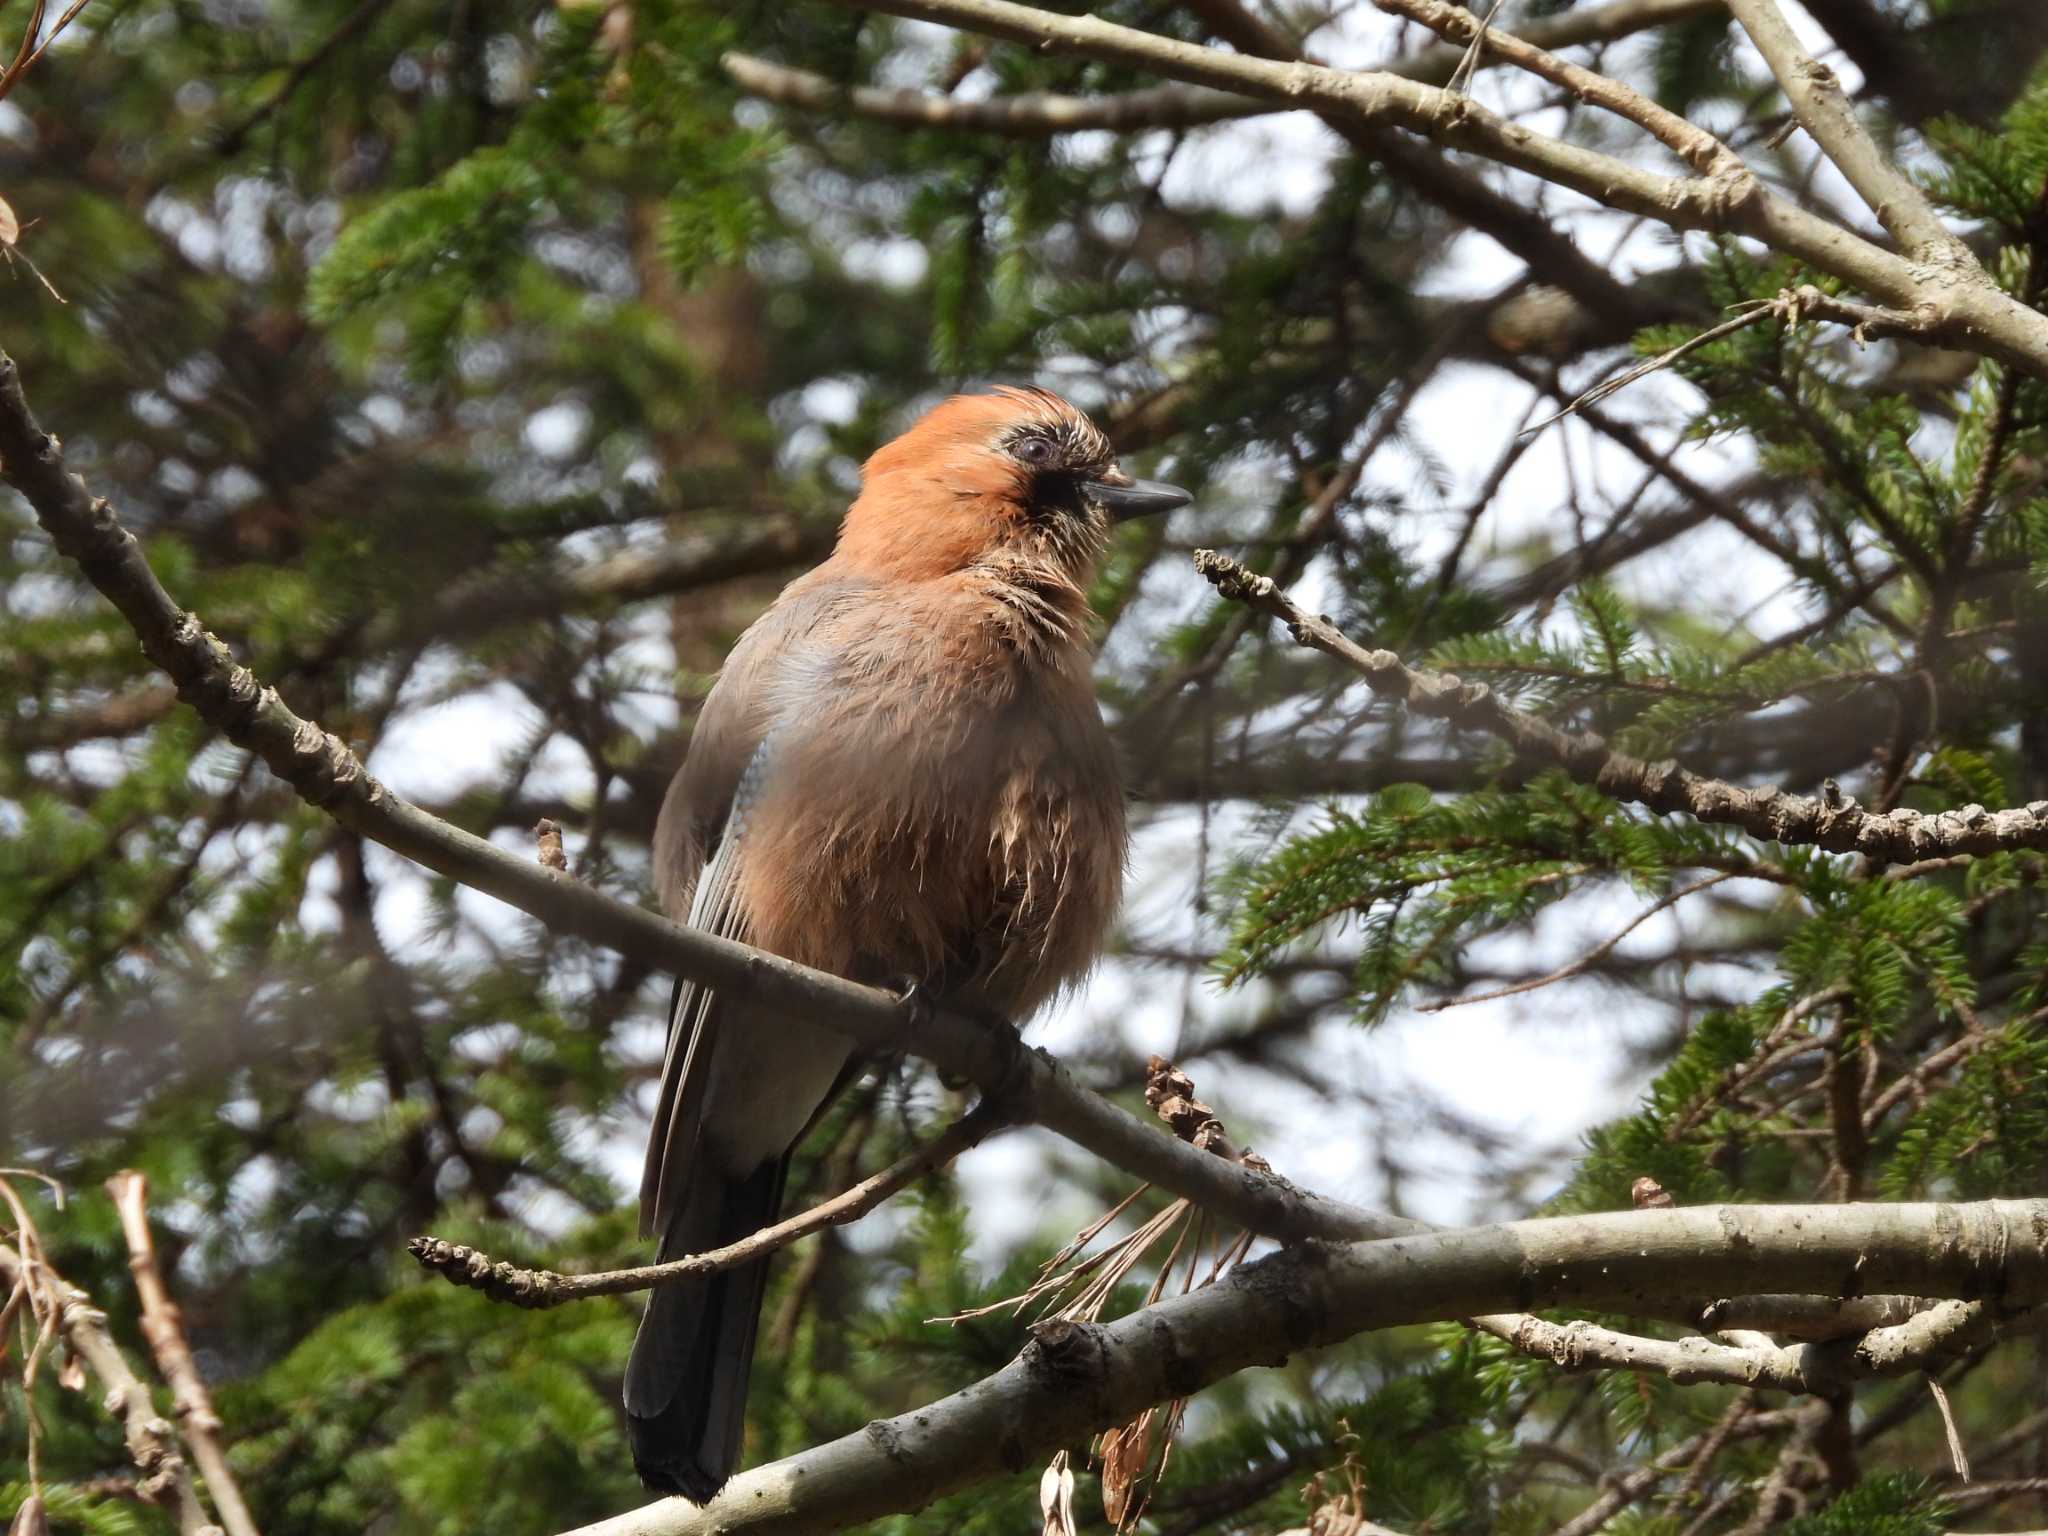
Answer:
(686, 1380)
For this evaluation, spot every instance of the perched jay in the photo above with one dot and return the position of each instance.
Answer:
(901, 777)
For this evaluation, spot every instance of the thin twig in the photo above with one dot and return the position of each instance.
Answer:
(465, 1266)
(1866, 322)
(1461, 78)
(163, 1327)
(152, 1443)
(1958, 1457)
(1026, 115)
(1762, 310)
(29, 29)
(356, 20)
(1737, 1411)
(31, 50)
(1592, 956)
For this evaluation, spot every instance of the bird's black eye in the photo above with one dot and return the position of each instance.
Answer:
(1035, 451)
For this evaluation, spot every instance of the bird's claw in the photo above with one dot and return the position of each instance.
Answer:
(916, 1000)
(920, 1003)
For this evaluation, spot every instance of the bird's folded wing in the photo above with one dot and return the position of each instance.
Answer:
(693, 1020)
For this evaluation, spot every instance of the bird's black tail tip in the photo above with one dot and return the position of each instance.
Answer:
(685, 1479)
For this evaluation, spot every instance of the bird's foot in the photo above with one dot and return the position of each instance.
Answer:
(915, 996)
(921, 1001)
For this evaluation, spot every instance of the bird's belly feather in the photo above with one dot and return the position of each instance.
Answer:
(990, 863)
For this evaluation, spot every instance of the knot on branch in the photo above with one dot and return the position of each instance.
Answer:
(1819, 73)
(1564, 1345)
(461, 1265)
(1663, 785)
(156, 1457)
(1071, 1352)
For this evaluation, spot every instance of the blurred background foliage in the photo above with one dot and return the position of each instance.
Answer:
(478, 370)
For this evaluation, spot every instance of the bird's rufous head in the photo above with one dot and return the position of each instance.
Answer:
(1015, 476)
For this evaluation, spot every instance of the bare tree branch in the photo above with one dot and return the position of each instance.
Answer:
(1837, 824)
(1946, 1328)
(1619, 308)
(198, 1424)
(1964, 310)
(1823, 111)
(1029, 115)
(1464, 30)
(118, 714)
(1041, 114)
(1075, 1379)
(1813, 1318)
(1592, 956)
(492, 598)
(502, 595)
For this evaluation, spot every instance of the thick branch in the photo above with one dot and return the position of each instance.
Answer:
(1834, 823)
(1823, 111)
(1814, 1318)
(1076, 1379)
(1026, 1084)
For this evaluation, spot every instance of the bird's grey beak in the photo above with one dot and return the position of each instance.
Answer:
(1124, 498)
